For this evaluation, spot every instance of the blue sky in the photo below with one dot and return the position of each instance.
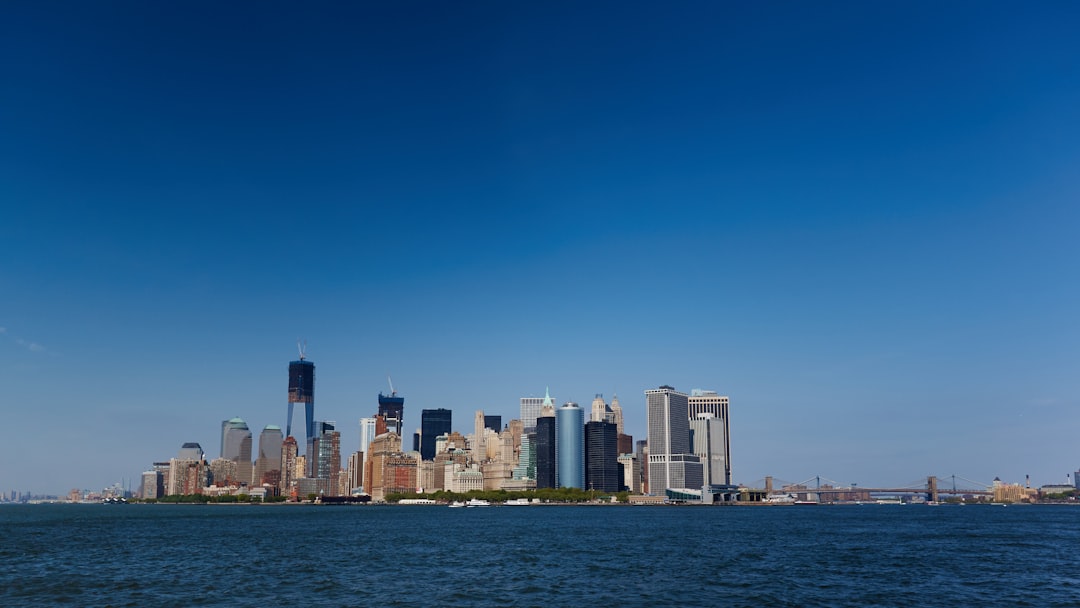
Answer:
(858, 220)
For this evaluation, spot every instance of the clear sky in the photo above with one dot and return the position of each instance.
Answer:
(858, 220)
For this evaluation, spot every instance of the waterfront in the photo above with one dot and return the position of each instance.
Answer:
(163, 555)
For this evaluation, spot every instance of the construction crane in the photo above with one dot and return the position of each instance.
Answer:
(393, 393)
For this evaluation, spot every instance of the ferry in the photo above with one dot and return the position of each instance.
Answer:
(517, 502)
(456, 504)
(476, 502)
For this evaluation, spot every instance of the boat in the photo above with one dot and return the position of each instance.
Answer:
(517, 502)
(456, 504)
(477, 502)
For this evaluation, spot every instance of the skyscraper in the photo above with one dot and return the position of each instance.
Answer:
(709, 402)
(302, 390)
(392, 409)
(672, 464)
(493, 422)
(432, 424)
(570, 446)
(602, 468)
(545, 452)
(616, 414)
(530, 409)
(236, 446)
(288, 465)
(708, 440)
(268, 462)
(367, 433)
(600, 410)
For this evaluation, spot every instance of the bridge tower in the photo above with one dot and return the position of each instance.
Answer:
(768, 485)
(931, 488)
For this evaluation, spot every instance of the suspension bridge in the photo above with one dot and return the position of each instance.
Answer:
(823, 489)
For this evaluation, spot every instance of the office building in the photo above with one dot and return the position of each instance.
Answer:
(570, 446)
(545, 452)
(236, 446)
(530, 409)
(708, 441)
(433, 422)
(672, 463)
(600, 410)
(602, 469)
(493, 422)
(709, 402)
(302, 391)
(268, 461)
(190, 451)
(367, 433)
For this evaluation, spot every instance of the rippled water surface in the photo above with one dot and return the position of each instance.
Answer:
(227, 555)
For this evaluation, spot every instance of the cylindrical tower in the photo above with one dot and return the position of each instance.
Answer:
(570, 446)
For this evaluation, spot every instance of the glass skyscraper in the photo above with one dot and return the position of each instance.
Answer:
(570, 446)
(302, 390)
(602, 468)
(545, 452)
(432, 424)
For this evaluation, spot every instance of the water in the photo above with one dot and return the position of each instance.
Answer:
(185, 555)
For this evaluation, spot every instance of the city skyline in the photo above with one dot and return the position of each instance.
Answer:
(857, 221)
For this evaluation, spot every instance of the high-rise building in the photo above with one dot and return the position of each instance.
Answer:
(433, 422)
(530, 409)
(493, 422)
(329, 458)
(709, 402)
(602, 469)
(616, 414)
(151, 481)
(631, 473)
(324, 461)
(709, 441)
(268, 462)
(479, 445)
(570, 446)
(392, 409)
(289, 453)
(672, 463)
(600, 410)
(367, 433)
(526, 466)
(626, 444)
(356, 471)
(190, 451)
(545, 452)
(236, 446)
(302, 390)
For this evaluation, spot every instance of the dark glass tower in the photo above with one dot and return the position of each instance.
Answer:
(302, 390)
(545, 452)
(392, 409)
(493, 422)
(432, 424)
(602, 456)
